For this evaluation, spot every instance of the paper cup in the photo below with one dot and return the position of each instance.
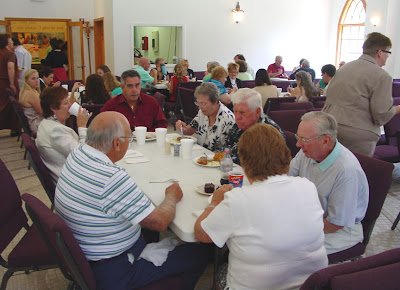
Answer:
(236, 178)
(140, 133)
(186, 148)
(81, 89)
(74, 109)
(161, 133)
(65, 87)
(279, 91)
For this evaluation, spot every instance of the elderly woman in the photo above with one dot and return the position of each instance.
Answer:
(243, 74)
(112, 85)
(186, 70)
(264, 86)
(210, 66)
(232, 83)
(305, 89)
(218, 77)
(29, 99)
(178, 77)
(55, 140)
(272, 227)
(213, 121)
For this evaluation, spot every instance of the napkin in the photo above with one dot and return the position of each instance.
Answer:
(133, 160)
(132, 153)
(157, 253)
(197, 147)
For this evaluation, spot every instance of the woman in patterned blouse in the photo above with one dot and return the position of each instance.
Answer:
(213, 121)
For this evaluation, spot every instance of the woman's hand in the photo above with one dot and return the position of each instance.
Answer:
(76, 85)
(180, 124)
(83, 117)
(218, 195)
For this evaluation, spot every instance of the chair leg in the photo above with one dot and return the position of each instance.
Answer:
(396, 222)
(26, 151)
(21, 144)
(6, 277)
(29, 166)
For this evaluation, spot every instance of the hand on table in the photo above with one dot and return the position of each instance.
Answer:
(218, 195)
(174, 191)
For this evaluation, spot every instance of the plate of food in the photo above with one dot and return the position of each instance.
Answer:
(212, 160)
(150, 136)
(175, 138)
(206, 189)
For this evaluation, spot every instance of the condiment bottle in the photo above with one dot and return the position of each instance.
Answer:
(226, 165)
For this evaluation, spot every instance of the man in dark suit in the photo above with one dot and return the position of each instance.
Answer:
(46, 76)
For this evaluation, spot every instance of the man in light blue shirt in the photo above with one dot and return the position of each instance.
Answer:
(147, 78)
(341, 183)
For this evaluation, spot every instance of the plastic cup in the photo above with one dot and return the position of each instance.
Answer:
(140, 133)
(186, 148)
(161, 133)
(236, 178)
(74, 109)
(65, 87)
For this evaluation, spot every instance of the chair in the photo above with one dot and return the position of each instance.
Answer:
(318, 102)
(39, 167)
(70, 257)
(379, 176)
(20, 114)
(186, 98)
(291, 143)
(380, 271)
(30, 253)
(274, 104)
(199, 75)
(189, 85)
(283, 84)
(396, 89)
(249, 84)
(288, 120)
(297, 106)
(390, 151)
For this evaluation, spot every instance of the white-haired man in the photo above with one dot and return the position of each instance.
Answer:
(341, 183)
(276, 69)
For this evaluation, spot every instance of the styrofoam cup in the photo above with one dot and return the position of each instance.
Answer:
(74, 109)
(140, 133)
(161, 133)
(186, 148)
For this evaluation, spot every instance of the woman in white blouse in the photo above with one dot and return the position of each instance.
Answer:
(55, 140)
(213, 121)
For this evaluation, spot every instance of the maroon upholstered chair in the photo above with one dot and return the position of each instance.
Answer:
(396, 89)
(39, 167)
(390, 151)
(283, 84)
(288, 120)
(318, 102)
(70, 83)
(187, 101)
(291, 143)
(249, 84)
(30, 253)
(381, 271)
(199, 75)
(379, 176)
(189, 85)
(274, 104)
(70, 257)
(297, 106)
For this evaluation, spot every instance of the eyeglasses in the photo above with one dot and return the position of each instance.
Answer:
(389, 52)
(130, 138)
(304, 141)
(200, 104)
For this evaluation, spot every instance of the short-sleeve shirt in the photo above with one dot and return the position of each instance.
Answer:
(213, 138)
(221, 88)
(272, 68)
(100, 203)
(145, 77)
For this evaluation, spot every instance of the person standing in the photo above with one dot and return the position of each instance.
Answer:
(56, 59)
(8, 80)
(24, 60)
(360, 96)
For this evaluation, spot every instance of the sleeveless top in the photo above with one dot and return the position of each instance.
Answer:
(33, 117)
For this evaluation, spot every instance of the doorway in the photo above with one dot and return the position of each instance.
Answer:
(99, 54)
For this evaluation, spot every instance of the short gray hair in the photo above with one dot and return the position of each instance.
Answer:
(325, 124)
(209, 89)
(250, 96)
(211, 65)
(129, 74)
(278, 57)
(102, 138)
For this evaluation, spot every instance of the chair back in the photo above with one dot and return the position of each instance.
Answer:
(319, 102)
(39, 167)
(249, 84)
(61, 241)
(187, 99)
(189, 85)
(297, 106)
(274, 104)
(95, 109)
(291, 143)
(70, 83)
(396, 89)
(199, 75)
(283, 84)
(391, 129)
(19, 112)
(160, 99)
(288, 120)
(12, 216)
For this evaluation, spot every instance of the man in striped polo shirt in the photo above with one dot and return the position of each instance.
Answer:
(106, 210)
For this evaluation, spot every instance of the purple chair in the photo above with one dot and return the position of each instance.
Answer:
(318, 102)
(30, 253)
(249, 84)
(160, 99)
(396, 90)
(187, 101)
(70, 257)
(288, 120)
(274, 104)
(199, 75)
(291, 143)
(189, 85)
(315, 81)
(283, 84)
(396, 101)
(380, 271)
(297, 106)
(70, 83)
(39, 167)
(390, 151)
(379, 176)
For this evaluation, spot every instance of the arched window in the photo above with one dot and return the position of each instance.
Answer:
(351, 31)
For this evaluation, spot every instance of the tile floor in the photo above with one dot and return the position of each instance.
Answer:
(12, 155)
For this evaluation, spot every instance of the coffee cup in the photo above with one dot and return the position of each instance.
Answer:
(186, 148)
(161, 133)
(74, 109)
(65, 87)
(140, 133)
(236, 178)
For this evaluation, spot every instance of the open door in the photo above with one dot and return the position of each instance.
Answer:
(5, 26)
(76, 56)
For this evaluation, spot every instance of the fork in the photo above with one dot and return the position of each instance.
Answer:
(168, 180)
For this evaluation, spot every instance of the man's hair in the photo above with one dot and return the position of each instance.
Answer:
(324, 123)
(305, 63)
(250, 96)
(242, 65)
(45, 72)
(208, 89)
(102, 137)
(4, 40)
(329, 69)
(16, 41)
(272, 156)
(240, 56)
(278, 57)
(374, 42)
(129, 74)
(211, 65)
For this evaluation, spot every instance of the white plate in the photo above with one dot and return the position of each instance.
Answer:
(173, 136)
(200, 189)
(150, 136)
(213, 163)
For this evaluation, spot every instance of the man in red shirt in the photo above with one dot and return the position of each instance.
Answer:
(140, 109)
(276, 70)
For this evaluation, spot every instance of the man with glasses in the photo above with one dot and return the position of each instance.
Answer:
(341, 183)
(360, 96)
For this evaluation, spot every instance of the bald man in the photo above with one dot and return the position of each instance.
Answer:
(143, 68)
(106, 210)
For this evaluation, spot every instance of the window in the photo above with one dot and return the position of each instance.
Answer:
(351, 31)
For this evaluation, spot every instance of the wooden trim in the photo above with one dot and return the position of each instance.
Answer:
(36, 19)
(7, 25)
(70, 49)
(98, 32)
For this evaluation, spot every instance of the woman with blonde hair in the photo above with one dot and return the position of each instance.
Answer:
(186, 70)
(177, 78)
(112, 85)
(305, 89)
(29, 99)
(273, 227)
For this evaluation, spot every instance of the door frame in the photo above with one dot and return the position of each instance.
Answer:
(71, 71)
(99, 49)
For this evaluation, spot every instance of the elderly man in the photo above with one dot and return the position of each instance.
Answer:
(140, 109)
(106, 210)
(341, 183)
(360, 96)
(24, 60)
(142, 69)
(305, 65)
(276, 70)
(247, 107)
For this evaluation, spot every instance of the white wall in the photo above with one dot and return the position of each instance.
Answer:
(104, 8)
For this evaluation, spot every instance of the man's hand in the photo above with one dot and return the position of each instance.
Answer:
(218, 195)
(174, 192)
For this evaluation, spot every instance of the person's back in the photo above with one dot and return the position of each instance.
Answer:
(266, 92)
(245, 76)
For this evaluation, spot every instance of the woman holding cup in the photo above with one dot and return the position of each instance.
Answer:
(276, 220)
(54, 139)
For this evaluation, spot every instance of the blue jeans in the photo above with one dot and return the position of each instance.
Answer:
(187, 260)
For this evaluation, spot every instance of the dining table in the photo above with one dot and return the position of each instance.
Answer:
(149, 162)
